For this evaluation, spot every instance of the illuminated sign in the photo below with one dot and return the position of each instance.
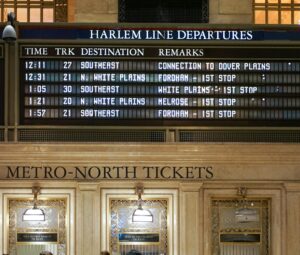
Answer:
(37, 237)
(148, 33)
(160, 85)
(139, 237)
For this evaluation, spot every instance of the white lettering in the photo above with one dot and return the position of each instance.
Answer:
(227, 114)
(179, 66)
(93, 113)
(173, 77)
(173, 113)
(173, 101)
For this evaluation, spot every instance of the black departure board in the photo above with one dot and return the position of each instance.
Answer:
(152, 84)
(2, 72)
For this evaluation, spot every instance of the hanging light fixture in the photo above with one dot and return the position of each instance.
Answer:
(244, 214)
(9, 32)
(141, 214)
(35, 213)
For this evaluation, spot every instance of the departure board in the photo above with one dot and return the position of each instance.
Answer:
(156, 84)
(1, 85)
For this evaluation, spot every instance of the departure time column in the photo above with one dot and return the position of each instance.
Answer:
(34, 77)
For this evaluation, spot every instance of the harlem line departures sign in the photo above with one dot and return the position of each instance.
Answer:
(151, 83)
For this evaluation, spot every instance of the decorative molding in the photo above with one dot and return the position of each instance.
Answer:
(146, 153)
(292, 187)
(88, 187)
(53, 225)
(191, 187)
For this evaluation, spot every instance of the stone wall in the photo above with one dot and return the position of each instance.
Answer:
(98, 11)
(106, 11)
(268, 171)
(230, 11)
